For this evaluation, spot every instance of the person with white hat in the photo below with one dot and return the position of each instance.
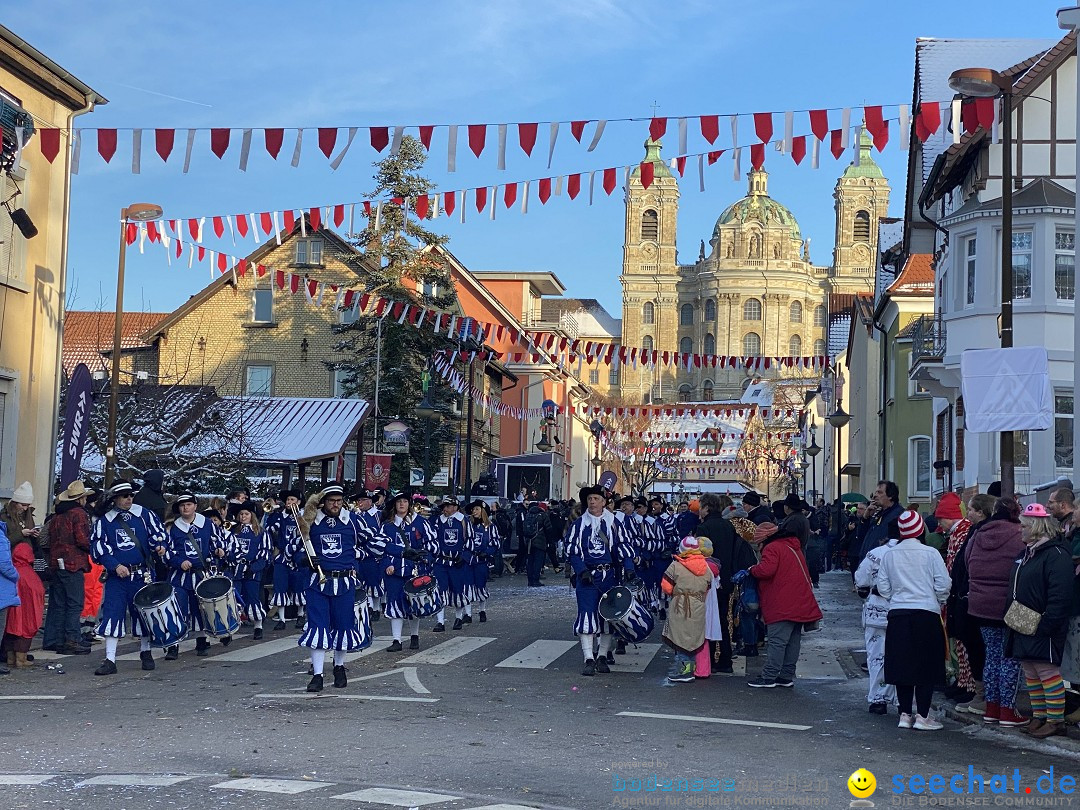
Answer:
(19, 515)
(126, 538)
(69, 561)
(337, 619)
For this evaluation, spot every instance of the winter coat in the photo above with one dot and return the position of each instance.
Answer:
(687, 580)
(69, 537)
(731, 551)
(24, 620)
(1044, 583)
(875, 611)
(797, 525)
(9, 575)
(784, 582)
(151, 496)
(761, 514)
(878, 530)
(991, 554)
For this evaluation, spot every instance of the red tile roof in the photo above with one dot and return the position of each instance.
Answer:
(88, 334)
(917, 277)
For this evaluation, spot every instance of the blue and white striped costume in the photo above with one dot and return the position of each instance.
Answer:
(654, 558)
(395, 533)
(129, 538)
(249, 552)
(453, 554)
(596, 544)
(196, 542)
(486, 543)
(371, 571)
(291, 572)
(335, 619)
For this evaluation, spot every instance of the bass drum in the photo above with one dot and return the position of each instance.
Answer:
(161, 616)
(422, 596)
(630, 620)
(217, 603)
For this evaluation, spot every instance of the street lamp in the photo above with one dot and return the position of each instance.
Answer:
(813, 451)
(136, 212)
(427, 410)
(986, 83)
(838, 419)
(803, 465)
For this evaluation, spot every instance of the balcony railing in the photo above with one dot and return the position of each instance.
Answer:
(928, 339)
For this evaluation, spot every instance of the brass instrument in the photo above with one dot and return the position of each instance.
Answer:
(268, 506)
(309, 550)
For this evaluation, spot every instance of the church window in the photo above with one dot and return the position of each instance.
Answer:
(685, 393)
(710, 311)
(819, 316)
(751, 344)
(796, 312)
(648, 312)
(646, 343)
(686, 346)
(795, 346)
(862, 226)
(650, 226)
(710, 345)
(751, 310)
(707, 391)
(686, 315)
(819, 348)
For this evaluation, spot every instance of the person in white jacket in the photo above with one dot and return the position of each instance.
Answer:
(875, 619)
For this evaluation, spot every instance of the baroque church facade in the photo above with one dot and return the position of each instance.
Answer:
(752, 291)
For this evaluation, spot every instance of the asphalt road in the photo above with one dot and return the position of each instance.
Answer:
(496, 716)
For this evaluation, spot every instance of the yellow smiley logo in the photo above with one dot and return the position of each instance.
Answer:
(861, 783)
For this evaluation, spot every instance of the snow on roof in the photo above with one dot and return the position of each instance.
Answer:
(294, 430)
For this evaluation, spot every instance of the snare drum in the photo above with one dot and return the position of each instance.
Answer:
(217, 603)
(422, 596)
(161, 616)
(630, 619)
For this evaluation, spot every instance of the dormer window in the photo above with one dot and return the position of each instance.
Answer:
(309, 251)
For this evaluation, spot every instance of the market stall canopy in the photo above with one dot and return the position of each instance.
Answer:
(297, 430)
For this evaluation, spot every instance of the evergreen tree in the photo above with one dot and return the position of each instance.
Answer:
(397, 262)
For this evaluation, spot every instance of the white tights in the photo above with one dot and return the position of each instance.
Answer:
(396, 626)
(587, 641)
(111, 643)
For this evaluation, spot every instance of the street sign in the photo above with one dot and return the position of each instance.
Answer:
(396, 437)
(416, 477)
(441, 478)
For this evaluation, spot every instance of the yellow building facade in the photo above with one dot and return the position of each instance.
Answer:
(753, 290)
(35, 93)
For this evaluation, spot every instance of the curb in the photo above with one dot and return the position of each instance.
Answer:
(1070, 740)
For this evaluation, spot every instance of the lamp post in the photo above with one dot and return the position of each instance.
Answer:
(136, 212)
(838, 419)
(429, 412)
(986, 83)
(813, 451)
(803, 465)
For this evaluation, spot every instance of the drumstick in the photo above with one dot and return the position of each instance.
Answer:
(309, 549)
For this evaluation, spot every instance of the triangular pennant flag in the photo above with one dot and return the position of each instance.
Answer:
(577, 128)
(757, 155)
(449, 202)
(763, 126)
(425, 135)
(219, 141)
(609, 180)
(798, 149)
(49, 140)
(819, 123)
(273, 138)
(481, 198)
(380, 137)
(927, 119)
(422, 206)
(509, 194)
(710, 127)
(327, 139)
(477, 137)
(876, 125)
(106, 143)
(837, 145)
(647, 173)
(544, 189)
(573, 185)
(657, 128)
(163, 142)
(527, 137)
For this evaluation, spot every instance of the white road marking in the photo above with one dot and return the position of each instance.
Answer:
(397, 798)
(288, 786)
(134, 780)
(259, 650)
(448, 651)
(26, 778)
(503, 807)
(538, 654)
(32, 697)
(185, 646)
(411, 678)
(637, 659)
(725, 721)
(389, 698)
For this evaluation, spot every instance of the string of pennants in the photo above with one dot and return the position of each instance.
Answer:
(656, 411)
(493, 404)
(682, 436)
(536, 344)
(329, 140)
(521, 192)
(750, 436)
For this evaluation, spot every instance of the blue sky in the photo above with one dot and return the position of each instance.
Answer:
(200, 64)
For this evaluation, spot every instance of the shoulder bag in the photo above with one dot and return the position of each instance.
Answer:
(1019, 617)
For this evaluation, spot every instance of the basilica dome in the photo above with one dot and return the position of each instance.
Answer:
(758, 206)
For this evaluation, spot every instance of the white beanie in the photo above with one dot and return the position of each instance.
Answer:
(24, 493)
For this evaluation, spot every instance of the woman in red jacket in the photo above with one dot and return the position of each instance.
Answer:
(787, 603)
(24, 619)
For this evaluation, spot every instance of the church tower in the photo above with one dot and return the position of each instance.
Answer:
(861, 200)
(650, 273)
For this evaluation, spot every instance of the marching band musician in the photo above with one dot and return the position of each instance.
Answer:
(340, 541)
(290, 578)
(486, 544)
(371, 568)
(632, 528)
(665, 544)
(250, 554)
(126, 538)
(453, 552)
(595, 546)
(195, 544)
(408, 542)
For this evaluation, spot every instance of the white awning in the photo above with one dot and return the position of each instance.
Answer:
(297, 430)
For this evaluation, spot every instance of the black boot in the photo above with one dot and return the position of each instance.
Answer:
(227, 640)
(439, 628)
(315, 684)
(375, 615)
(414, 642)
(256, 636)
(457, 624)
(609, 658)
(279, 625)
(483, 616)
(147, 659)
(467, 619)
(340, 681)
(172, 653)
(589, 669)
(395, 646)
(602, 665)
(107, 668)
(299, 623)
(202, 647)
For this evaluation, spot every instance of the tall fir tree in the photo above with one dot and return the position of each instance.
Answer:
(399, 260)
